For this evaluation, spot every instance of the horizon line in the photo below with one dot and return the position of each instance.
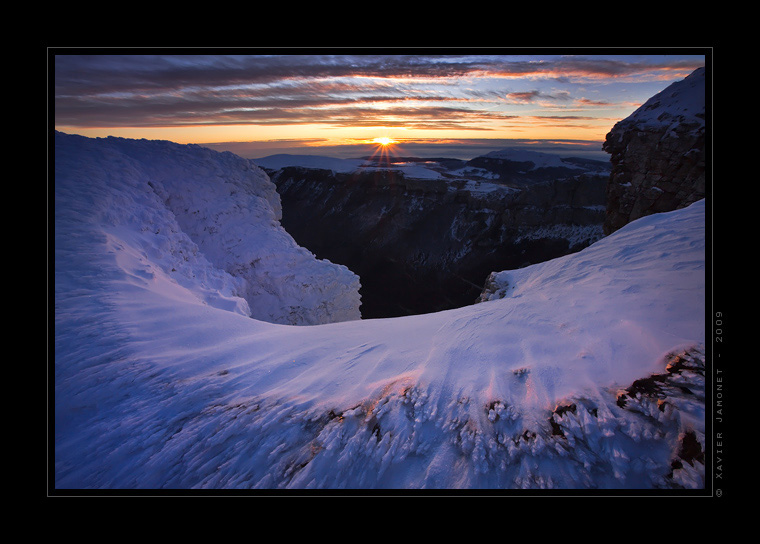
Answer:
(456, 148)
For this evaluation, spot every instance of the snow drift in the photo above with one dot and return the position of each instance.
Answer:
(185, 216)
(582, 372)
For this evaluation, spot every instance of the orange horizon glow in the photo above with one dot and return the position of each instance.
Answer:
(385, 145)
(317, 136)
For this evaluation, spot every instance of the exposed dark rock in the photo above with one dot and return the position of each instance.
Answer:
(560, 411)
(687, 368)
(691, 449)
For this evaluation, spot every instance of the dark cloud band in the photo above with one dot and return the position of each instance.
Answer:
(344, 90)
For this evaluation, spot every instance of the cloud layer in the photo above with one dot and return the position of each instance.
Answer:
(453, 92)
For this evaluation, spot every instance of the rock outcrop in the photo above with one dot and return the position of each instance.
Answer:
(658, 154)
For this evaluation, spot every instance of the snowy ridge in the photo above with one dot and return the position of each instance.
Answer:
(166, 383)
(539, 159)
(417, 170)
(683, 102)
(196, 223)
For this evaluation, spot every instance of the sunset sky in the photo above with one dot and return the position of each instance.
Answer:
(257, 104)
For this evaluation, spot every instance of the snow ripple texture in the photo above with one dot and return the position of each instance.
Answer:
(583, 372)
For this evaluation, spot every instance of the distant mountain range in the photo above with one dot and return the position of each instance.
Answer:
(510, 166)
(424, 233)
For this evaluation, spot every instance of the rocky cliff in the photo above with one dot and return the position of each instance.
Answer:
(658, 154)
(424, 245)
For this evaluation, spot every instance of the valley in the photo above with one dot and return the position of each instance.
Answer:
(423, 234)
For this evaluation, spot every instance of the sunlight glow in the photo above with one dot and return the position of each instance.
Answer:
(384, 150)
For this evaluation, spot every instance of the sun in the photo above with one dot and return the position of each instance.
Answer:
(385, 147)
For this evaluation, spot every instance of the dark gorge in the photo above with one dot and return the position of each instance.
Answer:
(426, 245)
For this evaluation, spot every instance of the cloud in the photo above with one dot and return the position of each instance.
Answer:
(535, 95)
(342, 90)
(527, 96)
(589, 102)
(595, 68)
(102, 74)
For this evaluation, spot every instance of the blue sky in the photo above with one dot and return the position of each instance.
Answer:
(339, 103)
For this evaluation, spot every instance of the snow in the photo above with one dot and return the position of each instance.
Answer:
(187, 217)
(483, 188)
(683, 102)
(409, 169)
(346, 166)
(162, 380)
(417, 170)
(539, 159)
(474, 172)
(574, 234)
(275, 162)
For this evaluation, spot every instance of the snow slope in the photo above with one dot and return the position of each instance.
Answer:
(164, 382)
(681, 103)
(178, 216)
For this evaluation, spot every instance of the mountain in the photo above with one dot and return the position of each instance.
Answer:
(514, 167)
(658, 154)
(423, 235)
(586, 371)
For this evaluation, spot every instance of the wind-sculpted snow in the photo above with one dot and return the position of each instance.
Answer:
(583, 372)
(402, 439)
(204, 220)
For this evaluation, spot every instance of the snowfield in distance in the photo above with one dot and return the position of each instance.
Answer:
(192, 352)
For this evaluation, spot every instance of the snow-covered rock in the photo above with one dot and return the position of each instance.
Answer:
(282, 160)
(162, 381)
(681, 103)
(196, 223)
(658, 154)
(517, 167)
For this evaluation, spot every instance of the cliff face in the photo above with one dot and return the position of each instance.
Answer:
(425, 245)
(658, 154)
